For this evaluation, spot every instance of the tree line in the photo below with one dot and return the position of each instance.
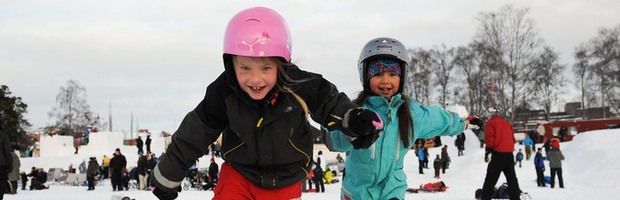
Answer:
(508, 66)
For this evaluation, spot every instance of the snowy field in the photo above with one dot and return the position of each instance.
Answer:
(590, 172)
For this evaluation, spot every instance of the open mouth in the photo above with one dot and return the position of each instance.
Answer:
(385, 89)
(254, 88)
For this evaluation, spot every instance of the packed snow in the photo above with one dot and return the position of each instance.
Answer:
(589, 170)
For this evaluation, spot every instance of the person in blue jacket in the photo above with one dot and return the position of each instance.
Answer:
(540, 168)
(377, 172)
(529, 146)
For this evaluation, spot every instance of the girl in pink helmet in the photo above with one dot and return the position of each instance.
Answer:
(260, 106)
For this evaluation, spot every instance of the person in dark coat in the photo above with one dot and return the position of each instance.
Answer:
(264, 123)
(91, 172)
(139, 144)
(213, 175)
(437, 166)
(6, 161)
(24, 177)
(117, 164)
(147, 142)
(445, 159)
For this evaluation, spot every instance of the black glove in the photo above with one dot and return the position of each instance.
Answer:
(363, 142)
(362, 127)
(486, 155)
(359, 122)
(166, 195)
(473, 120)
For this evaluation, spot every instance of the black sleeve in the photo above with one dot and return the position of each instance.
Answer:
(326, 104)
(200, 128)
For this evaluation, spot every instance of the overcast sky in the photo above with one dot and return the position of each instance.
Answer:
(155, 58)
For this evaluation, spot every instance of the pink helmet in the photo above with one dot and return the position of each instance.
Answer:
(258, 32)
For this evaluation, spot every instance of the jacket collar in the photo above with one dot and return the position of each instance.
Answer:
(379, 101)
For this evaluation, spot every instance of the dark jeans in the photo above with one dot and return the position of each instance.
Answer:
(318, 182)
(421, 166)
(501, 162)
(559, 172)
(91, 182)
(540, 177)
(117, 180)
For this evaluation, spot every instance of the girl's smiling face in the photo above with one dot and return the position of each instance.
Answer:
(385, 84)
(255, 75)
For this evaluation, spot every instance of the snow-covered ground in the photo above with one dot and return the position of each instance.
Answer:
(590, 172)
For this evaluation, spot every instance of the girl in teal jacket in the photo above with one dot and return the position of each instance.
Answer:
(377, 172)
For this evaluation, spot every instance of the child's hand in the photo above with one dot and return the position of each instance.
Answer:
(362, 126)
(473, 120)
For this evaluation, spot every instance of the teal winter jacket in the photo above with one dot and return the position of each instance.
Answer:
(377, 172)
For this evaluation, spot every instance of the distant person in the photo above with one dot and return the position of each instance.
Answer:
(445, 159)
(6, 161)
(519, 158)
(529, 146)
(318, 174)
(213, 174)
(141, 170)
(139, 145)
(339, 158)
(24, 178)
(500, 143)
(117, 164)
(459, 142)
(148, 144)
(39, 177)
(437, 166)
(91, 172)
(105, 166)
(420, 155)
(540, 168)
(555, 158)
(562, 133)
(14, 173)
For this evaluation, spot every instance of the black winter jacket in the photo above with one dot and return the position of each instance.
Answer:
(268, 141)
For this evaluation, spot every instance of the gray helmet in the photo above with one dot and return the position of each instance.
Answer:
(383, 47)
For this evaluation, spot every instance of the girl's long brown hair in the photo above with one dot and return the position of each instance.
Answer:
(405, 122)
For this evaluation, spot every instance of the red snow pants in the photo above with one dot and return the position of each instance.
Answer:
(233, 185)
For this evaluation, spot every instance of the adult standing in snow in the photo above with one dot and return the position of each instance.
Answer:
(420, 155)
(6, 161)
(500, 143)
(117, 164)
(318, 173)
(14, 174)
(147, 142)
(445, 159)
(139, 144)
(540, 168)
(377, 172)
(91, 172)
(555, 157)
(261, 105)
(214, 172)
(141, 170)
(460, 143)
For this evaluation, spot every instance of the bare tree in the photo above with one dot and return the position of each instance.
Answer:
(442, 63)
(582, 70)
(605, 58)
(419, 76)
(474, 61)
(72, 110)
(513, 41)
(548, 79)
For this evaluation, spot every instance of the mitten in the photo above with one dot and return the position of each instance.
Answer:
(360, 121)
(473, 120)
